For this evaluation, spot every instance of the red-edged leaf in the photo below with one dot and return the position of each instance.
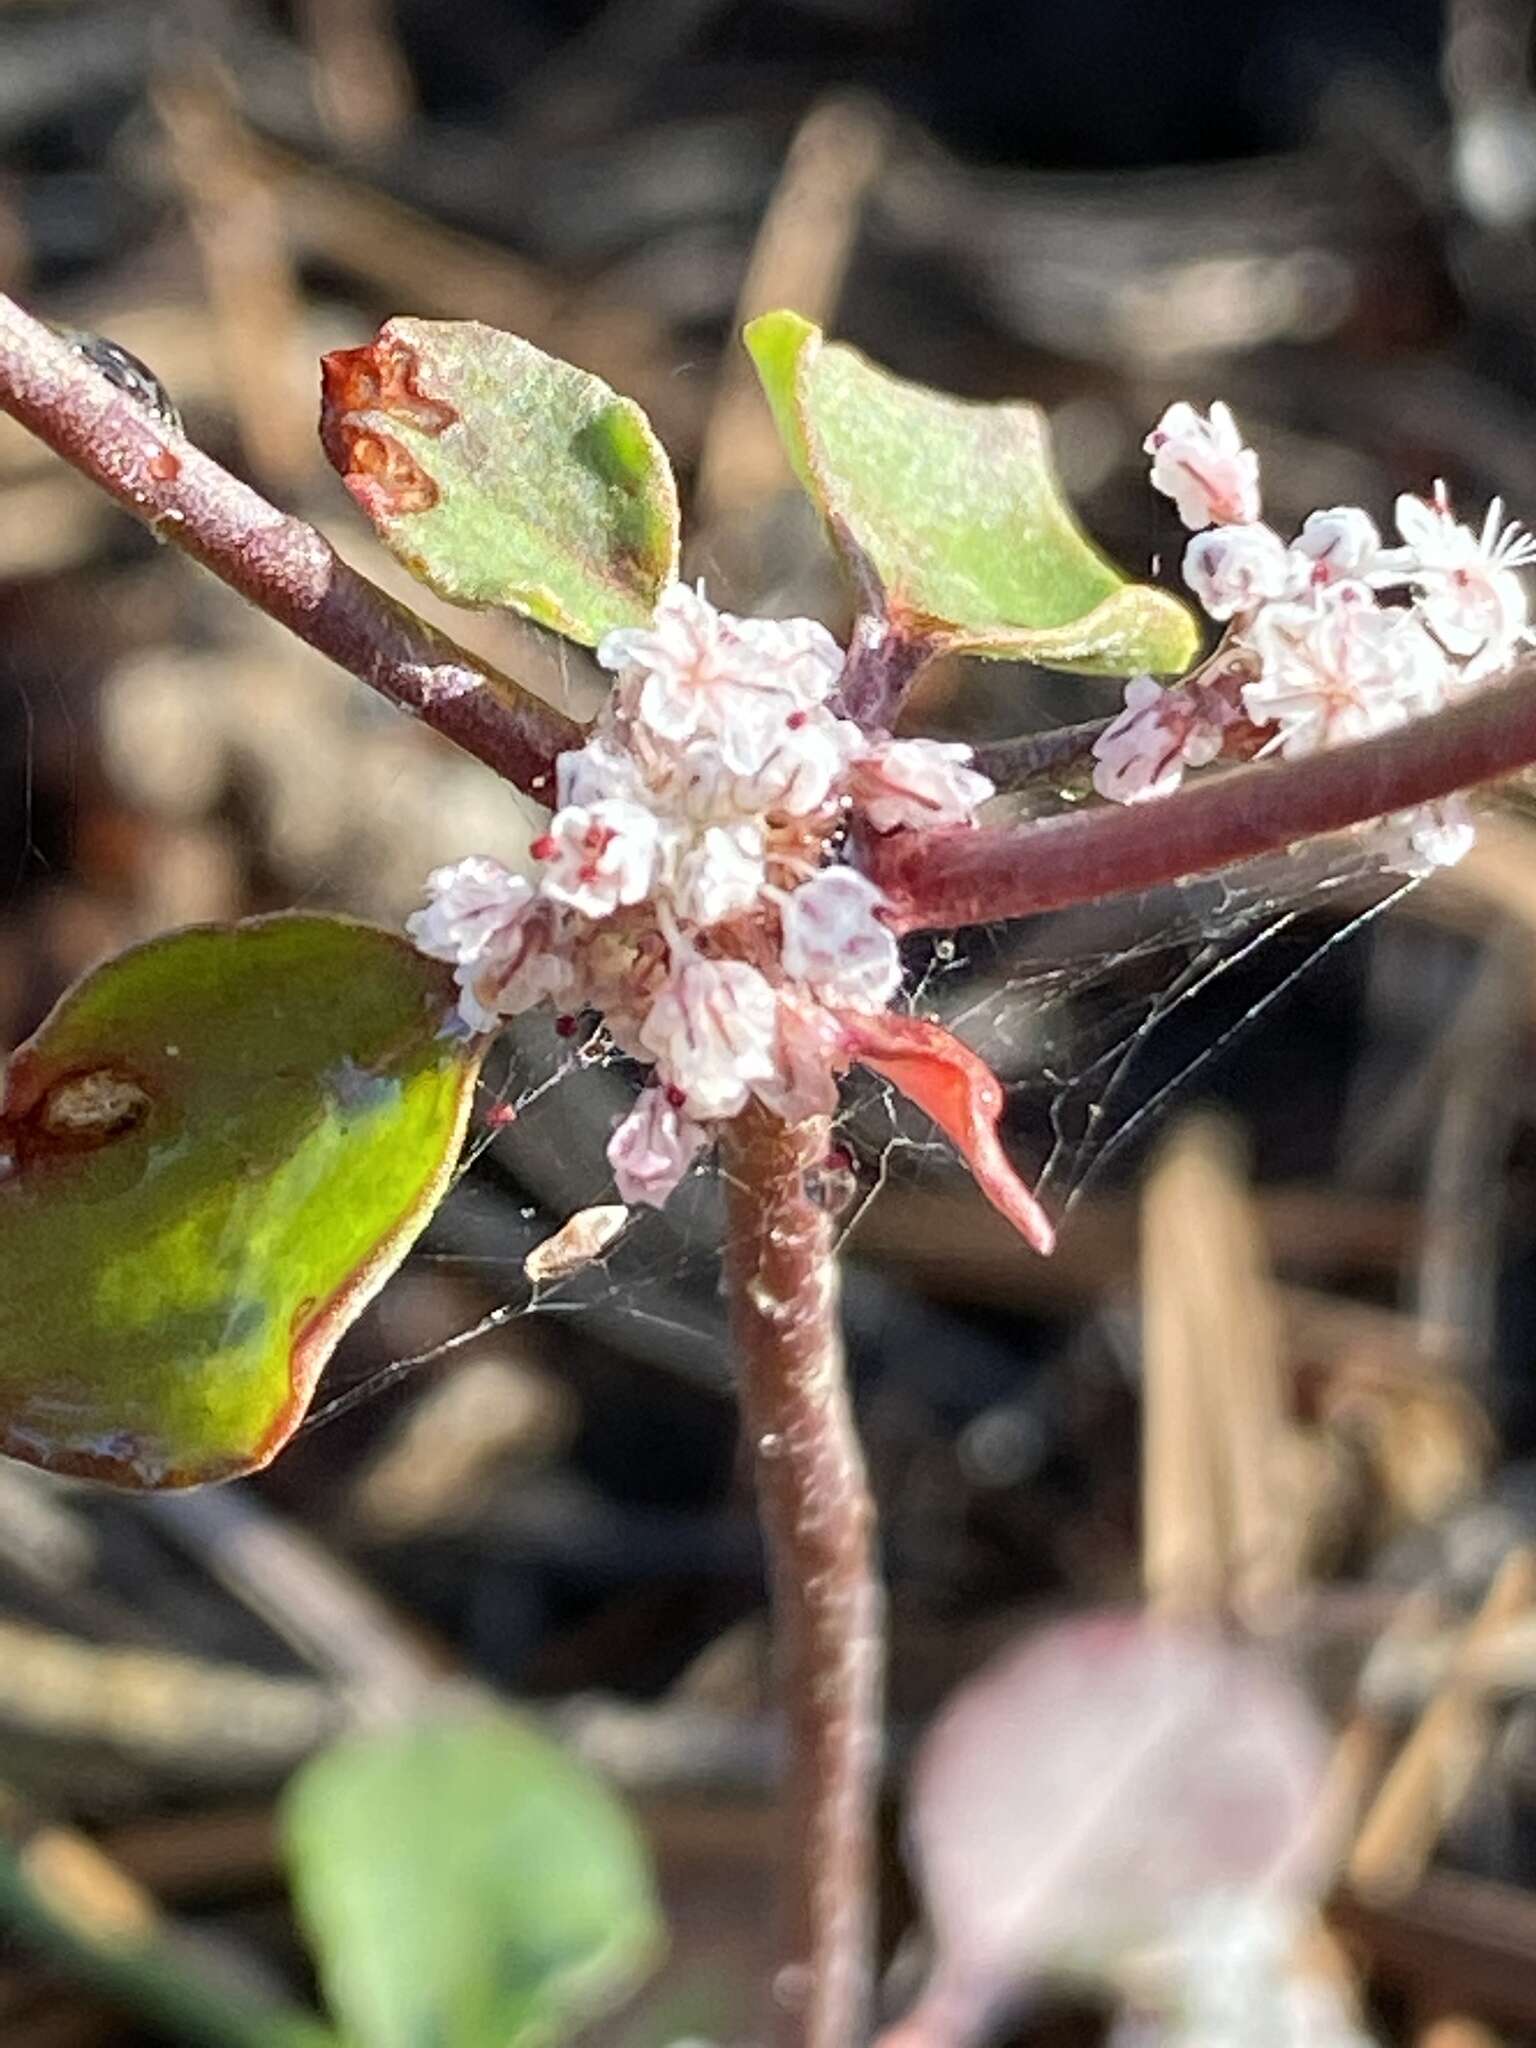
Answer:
(212, 1155)
(502, 476)
(957, 1088)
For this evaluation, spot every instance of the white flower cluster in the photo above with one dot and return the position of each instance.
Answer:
(682, 890)
(1313, 655)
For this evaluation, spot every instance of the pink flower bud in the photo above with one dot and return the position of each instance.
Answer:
(473, 902)
(1340, 545)
(1141, 753)
(1202, 465)
(835, 943)
(1234, 568)
(652, 1149)
(504, 943)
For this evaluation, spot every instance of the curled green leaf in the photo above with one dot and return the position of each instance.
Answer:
(502, 476)
(950, 517)
(212, 1155)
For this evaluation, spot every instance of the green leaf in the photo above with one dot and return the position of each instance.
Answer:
(950, 516)
(215, 1150)
(465, 1884)
(502, 476)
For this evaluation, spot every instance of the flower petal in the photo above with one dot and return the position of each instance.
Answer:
(957, 1088)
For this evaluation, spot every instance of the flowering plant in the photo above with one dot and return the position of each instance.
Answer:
(1311, 655)
(686, 897)
(691, 893)
(219, 1146)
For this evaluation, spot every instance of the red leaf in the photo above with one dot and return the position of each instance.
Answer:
(957, 1088)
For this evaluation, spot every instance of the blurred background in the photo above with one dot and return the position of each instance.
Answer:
(1283, 1364)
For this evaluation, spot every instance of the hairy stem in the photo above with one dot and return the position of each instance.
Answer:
(285, 567)
(937, 880)
(818, 1524)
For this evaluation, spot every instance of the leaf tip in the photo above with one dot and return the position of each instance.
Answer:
(777, 337)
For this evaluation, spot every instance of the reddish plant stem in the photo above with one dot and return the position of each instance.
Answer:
(938, 880)
(885, 657)
(281, 564)
(818, 1523)
(1014, 763)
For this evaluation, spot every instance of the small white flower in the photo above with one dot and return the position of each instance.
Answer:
(1143, 753)
(711, 1033)
(1140, 753)
(720, 875)
(917, 782)
(1341, 545)
(599, 856)
(1469, 593)
(1202, 465)
(798, 656)
(693, 667)
(786, 765)
(1436, 835)
(1340, 669)
(834, 942)
(525, 966)
(473, 901)
(502, 941)
(653, 1148)
(1234, 568)
(797, 776)
(596, 773)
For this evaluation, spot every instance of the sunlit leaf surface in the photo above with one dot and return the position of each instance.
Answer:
(502, 476)
(214, 1152)
(950, 517)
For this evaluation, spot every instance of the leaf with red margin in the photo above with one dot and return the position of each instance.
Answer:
(502, 476)
(957, 1088)
(213, 1154)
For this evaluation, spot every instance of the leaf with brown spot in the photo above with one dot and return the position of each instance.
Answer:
(502, 476)
(212, 1155)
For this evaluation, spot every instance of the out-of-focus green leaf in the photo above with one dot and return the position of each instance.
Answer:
(950, 516)
(212, 1155)
(466, 1884)
(502, 476)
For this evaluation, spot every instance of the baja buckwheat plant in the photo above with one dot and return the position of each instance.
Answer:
(219, 1146)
